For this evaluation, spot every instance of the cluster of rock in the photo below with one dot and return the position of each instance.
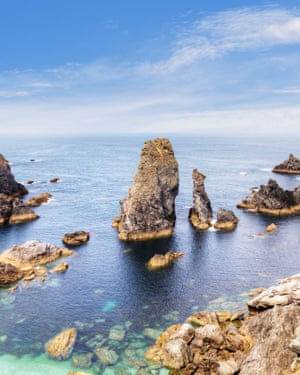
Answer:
(271, 199)
(148, 211)
(221, 343)
(25, 261)
(289, 166)
(201, 213)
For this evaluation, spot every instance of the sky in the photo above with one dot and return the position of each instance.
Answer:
(85, 67)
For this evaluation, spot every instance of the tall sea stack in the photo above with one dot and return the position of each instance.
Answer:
(148, 211)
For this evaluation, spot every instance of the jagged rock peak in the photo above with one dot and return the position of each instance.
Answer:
(8, 184)
(271, 199)
(289, 166)
(148, 211)
(201, 213)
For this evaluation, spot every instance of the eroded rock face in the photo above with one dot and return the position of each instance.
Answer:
(148, 211)
(226, 220)
(266, 343)
(289, 166)
(271, 199)
(201, 213)
(159, 261)
(8, 184)
(61, 346)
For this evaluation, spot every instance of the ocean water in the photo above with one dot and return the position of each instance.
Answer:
(107, 286)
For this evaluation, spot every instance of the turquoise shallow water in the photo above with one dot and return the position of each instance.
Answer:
(107, 283)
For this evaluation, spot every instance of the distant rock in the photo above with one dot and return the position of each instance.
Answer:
(61, 346)
(226, 220)
(76, 238)
(54, 180)
(8, 184)
(289, 166)
(148, 211)
(39, 200)
(159, 261)
(267, 342)
(200, 214)
(271, 199)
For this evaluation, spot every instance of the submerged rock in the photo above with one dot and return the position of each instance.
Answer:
(289, 166)
(266, 343)
(76, 238)
(148, 211)
(271, 199)
(159, 261)
(61, 346)
(60, 268)
(226, 220)
(200, 214)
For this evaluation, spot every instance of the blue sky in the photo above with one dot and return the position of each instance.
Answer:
(95, 66)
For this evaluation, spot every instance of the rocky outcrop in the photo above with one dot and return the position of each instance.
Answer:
(271, 227)
(148, 211)
(267, 342)
(61, 346)
(8, 184)
(226, 220)
(159, 261)
(271, 199)
(200, 214)
(289, 166)
(14, 211)
(24, 260)
(76, 238)
(39, 200)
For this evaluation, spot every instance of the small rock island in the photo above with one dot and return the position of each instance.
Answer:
(273, 200)
(289, 166)
(148, 211)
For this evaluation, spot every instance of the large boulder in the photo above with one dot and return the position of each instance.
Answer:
(200, 214)
(76, 238)
(61, 346)
(289, 166)
(8, 184)
(226, 220)
(271, 199)
(148, 211)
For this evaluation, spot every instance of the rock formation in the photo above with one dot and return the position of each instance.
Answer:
(75, 238)
(271, 227)
(290, 166)
(24, 260)
(271, 199)
(61, 346)
(148, 211)
(8, 184)
(159, 261)
(39, 200)
(200, 214)
(267, 342)
(226, 220)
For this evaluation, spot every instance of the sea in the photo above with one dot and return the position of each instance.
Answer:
(107, 293)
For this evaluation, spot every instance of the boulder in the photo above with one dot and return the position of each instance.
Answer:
(289, 166)
(148, 211)
(75, 238)
(200, 214)
(271, 227)
(271, 199)
(9, 273)
(60, 268)
(159, 261)
(39, 200)
(8, 184)
(54, 180)
(61, 346)
(226, 220)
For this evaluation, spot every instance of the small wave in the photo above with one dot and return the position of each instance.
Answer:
(243, 173)
(265, 169)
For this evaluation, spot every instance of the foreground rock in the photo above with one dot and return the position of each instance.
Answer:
(159, 261)
(226, 220)
(266, 343)
(8, 184)
(200, 214)
(23, 261)
(148, 211)
(39, 200)
(271, 199)
(76, 238)
(290, 166)
(61, 346)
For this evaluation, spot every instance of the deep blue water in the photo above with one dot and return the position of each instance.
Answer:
(107, 283)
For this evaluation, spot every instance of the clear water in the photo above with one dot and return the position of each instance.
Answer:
(107, 283)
